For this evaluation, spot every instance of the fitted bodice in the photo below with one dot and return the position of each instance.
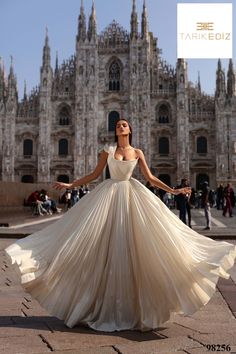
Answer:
(119, 170)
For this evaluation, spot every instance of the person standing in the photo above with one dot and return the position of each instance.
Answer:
(188, 209)
(229, 200)
(206, 204)
(74, 196)
(220, 197)
(181, 200)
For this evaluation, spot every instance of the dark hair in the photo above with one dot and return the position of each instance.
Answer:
(130, 128)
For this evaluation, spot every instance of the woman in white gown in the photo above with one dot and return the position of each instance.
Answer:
(120, 259)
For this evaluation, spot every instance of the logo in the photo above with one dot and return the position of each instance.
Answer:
(204, 30)
(205, 26)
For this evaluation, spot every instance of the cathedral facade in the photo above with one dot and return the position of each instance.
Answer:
(57, 131)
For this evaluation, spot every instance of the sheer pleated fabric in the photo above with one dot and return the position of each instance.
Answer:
(120, 259)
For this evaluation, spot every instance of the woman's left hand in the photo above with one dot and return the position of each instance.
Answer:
(185, 190)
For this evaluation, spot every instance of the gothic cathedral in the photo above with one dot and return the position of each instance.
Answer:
(57, 131)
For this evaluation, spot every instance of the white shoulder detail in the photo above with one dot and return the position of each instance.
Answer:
(109, 148)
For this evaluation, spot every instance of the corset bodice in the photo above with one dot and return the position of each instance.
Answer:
(119, 170)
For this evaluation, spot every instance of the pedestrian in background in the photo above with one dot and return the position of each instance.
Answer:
(206, 204)
(181, 201)
(229, 200)
(220, 197)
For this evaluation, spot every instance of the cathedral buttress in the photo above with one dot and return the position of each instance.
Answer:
(86, 146)
(144, 102)
(81, 36)
(134, 72)
(134, 22)
(220, 81)
(8, 159)
(225, 114)
(182, 121)
(92, 25)
(231, 80)
(2, 109)
(45, 114)
(144, 23)
(2, 82)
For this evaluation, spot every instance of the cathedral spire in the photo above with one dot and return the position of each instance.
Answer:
(199, 82)
(231, 80)
(181, 62)
(12, 84)
(46, 51)
(81, 24)
(2, 80)
(56, 65)
(220, 80)
(25, 94)
(134, 22)
(46, 69)
(144, 21)
(92, 24)
(11, 68)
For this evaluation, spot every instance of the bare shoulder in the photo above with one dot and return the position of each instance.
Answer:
(103, 153)
(103, 156)
(139, 153)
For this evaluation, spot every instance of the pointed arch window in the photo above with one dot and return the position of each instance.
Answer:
(64, 116)
(112, 119)
(201, 145)
(163, 114)
(164, 146)
(63, 147)
(28, 148)
(114, 76)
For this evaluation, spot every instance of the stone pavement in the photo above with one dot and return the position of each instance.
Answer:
(25, 327)
(22, 223)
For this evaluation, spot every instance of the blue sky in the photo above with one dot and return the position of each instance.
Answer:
(23, 23)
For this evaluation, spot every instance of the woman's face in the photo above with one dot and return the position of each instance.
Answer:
(122, 128)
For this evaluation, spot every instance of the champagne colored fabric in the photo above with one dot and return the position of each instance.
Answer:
(120, 259)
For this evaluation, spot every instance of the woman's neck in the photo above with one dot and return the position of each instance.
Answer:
(123, 142)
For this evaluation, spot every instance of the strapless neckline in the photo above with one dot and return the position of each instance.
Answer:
(125, 160)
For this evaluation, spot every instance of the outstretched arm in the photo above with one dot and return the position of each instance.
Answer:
(154, 180)
(86, 179)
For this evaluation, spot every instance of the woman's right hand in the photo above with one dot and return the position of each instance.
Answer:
(61, 185)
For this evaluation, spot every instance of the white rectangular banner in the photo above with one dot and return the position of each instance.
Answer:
(204, 30)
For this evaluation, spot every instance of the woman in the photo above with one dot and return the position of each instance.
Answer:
(120, 259)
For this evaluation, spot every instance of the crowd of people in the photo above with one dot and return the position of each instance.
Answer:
(70, 197)
(42, 204)
(223, 198)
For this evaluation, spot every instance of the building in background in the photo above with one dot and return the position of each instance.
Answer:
(56, 132)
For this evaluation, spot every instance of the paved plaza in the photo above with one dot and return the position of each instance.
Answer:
(25, 327)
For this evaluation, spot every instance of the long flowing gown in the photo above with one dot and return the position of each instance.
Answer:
(120, 259)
